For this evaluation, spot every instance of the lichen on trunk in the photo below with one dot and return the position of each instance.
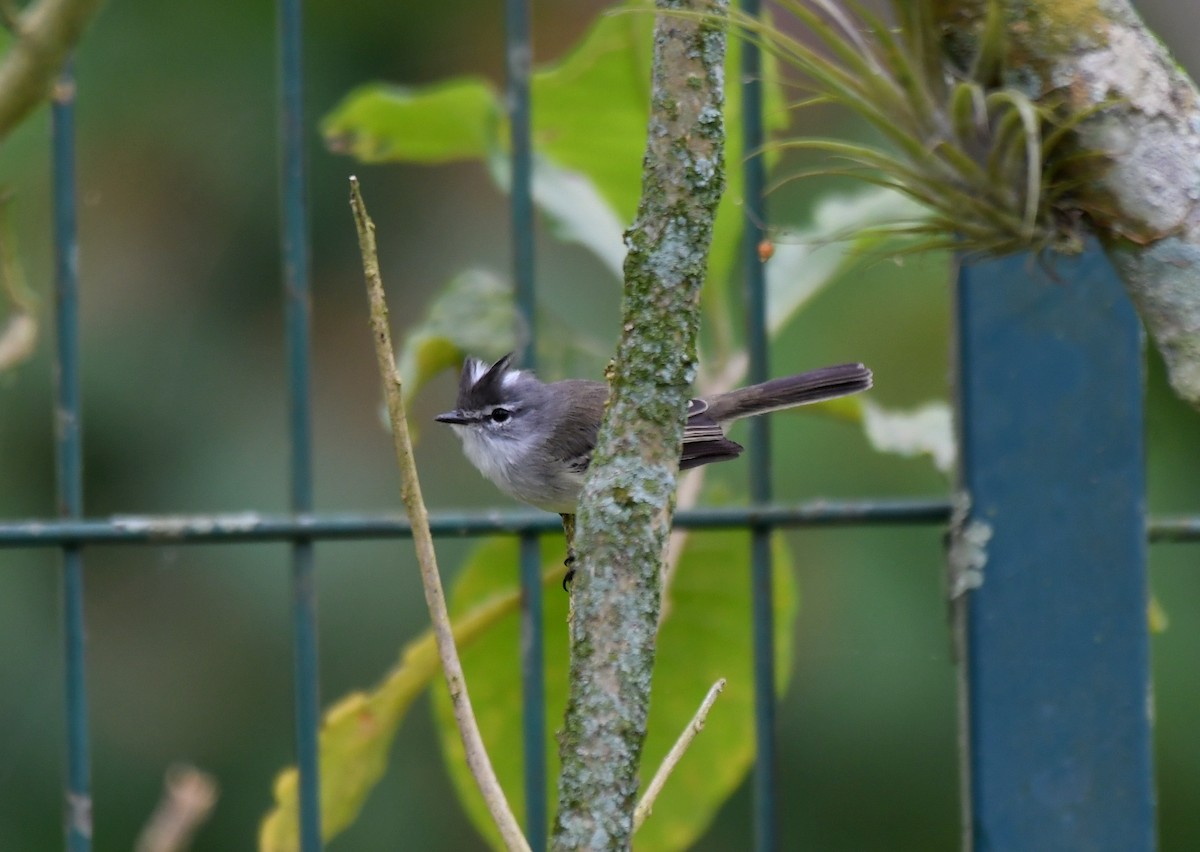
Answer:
(625, 512)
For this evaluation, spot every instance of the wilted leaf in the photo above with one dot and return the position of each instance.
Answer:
(706, 636)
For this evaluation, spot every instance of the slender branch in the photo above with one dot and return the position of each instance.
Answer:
(45, 35)
(189, 796)
(625, 512)
(646, 805)
(477, 757)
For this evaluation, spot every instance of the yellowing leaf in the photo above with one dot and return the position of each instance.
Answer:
(356, 733)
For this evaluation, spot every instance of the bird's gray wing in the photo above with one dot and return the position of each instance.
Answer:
(703, 439)
(575, 436)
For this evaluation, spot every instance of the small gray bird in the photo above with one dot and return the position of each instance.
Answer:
(534, 440)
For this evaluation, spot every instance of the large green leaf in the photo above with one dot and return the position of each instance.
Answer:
(706, 636)
(590, 113)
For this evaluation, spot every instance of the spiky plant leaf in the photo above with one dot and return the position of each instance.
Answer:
(995, 168)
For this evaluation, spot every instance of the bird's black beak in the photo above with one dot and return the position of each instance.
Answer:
(451, 417)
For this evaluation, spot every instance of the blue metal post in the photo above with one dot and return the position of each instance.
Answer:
(759, 446)
(69, 453)
(298, 309)
(518, 52)
(1056, 677)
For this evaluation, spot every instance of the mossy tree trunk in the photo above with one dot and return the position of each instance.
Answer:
(625, 512)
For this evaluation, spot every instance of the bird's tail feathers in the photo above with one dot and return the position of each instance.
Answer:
(778, 394)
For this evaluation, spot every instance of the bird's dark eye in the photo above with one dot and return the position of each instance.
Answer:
(499, 415)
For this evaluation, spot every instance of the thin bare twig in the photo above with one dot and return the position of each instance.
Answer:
(477, 757)
(646, 805)
(189, 796)
(18, 337)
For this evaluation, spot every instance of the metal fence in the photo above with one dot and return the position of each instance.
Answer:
(1048, 557)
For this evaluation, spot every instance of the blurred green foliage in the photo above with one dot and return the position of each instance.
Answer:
(185, 411)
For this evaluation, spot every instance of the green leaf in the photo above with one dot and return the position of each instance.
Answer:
(357, 732)
(589, 114)
(456, 120)
(706, 635)
(589, 118)
(472, 315)
(590, 109)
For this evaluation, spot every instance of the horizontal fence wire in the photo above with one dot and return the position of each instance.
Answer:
(251, 527)
(261, 527)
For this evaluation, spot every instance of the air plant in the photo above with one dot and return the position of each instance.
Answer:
(996, 170)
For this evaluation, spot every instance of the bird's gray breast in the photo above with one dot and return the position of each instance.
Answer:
(517, 468)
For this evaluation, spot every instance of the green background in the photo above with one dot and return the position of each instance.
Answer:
(184, 411)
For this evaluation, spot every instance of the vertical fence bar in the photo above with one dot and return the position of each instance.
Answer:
(518, 53)
(298, 308)
(754, 177)
(69, 454)
(1053, 624)
(533, 693)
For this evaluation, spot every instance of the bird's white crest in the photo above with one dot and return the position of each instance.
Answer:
(510, 378)
(478, 369)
